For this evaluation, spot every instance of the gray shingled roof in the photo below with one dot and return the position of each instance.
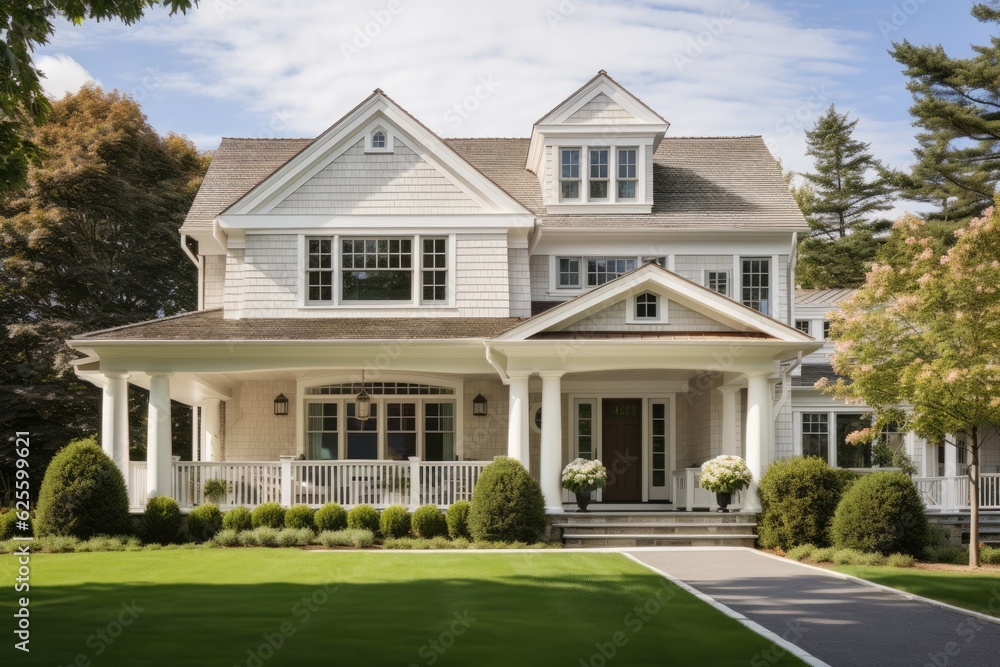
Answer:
(699, 183)
(209, 325)
(811, 374)
(822, 297)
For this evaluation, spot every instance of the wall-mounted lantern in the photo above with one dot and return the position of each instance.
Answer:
(281, 406)
(479, 406)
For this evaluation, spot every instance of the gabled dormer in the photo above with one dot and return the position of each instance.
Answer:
(594, 152)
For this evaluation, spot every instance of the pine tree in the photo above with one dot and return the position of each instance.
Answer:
(840, 200)
(957, 107)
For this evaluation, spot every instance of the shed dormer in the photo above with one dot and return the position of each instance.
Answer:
(594, 152)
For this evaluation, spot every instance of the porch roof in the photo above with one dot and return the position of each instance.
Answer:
(209, 325)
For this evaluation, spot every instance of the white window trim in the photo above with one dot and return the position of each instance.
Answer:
(639, 175)
(416, 285)
(661, 310)
(771, 289)
(831, 416)
(729, 281)
(555, 289)
(389, 143)
(582, 165)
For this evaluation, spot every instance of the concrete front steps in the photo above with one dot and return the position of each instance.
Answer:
(989, 524)
(656, 529)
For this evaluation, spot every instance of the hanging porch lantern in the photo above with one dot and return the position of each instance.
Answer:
(362, 402)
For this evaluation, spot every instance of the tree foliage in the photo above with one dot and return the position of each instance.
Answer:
(919, 342)
(957, 107)
(841, 200)
(89, 243)
(23, 27)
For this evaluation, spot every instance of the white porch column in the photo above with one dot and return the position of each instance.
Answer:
(551, 458)
(209, 430)
(517, 425)
(158, 468)
(758, 432)
(730, 399)
(114, 420)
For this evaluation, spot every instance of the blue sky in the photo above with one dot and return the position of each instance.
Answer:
(263, 68)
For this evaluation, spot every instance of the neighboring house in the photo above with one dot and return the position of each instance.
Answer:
(593, 290)
(821, 423)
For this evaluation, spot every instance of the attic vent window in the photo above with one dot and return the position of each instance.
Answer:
(378, 139)
(646, 307)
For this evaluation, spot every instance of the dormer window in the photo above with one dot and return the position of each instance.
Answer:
(598, 173)
(627, 174)
(569, 174)
(378, 140)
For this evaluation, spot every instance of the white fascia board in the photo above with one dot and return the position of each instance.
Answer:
(423, 223)
(337, 139)
(634, 131)
(568, 241)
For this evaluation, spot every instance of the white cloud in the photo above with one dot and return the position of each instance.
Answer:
(62, 75)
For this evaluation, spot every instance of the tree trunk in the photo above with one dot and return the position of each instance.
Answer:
(973, 473)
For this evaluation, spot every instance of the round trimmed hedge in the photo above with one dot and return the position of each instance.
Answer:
(269, 515)
(8, 525)
(458, 519)
(394, 521)
(204, 521)
(330, 517)
(363, 517)
(300, 516)
(162, 521)
(507, 504)
(83, 494)
(428, 522)
(798, 498)
(882, 513)
(237, 519)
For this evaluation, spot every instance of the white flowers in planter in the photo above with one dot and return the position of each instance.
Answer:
(584, 475)
(725, 474)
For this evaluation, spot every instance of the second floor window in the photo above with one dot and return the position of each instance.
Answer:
(377, 269)
(717, 281)
(598, 173)
(804, 326)
(604, 269)
(627, 173)
(756, 283)
(569, 173)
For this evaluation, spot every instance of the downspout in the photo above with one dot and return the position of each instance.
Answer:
(504, 378)
(187, 250)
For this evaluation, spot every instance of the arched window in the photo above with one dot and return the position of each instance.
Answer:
(647, 307)
(378, 139)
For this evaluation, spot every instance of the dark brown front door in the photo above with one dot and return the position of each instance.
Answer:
(621, 442)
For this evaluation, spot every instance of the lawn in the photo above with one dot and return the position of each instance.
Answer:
(228, 607)
(978, 592)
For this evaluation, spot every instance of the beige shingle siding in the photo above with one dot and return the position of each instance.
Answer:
(540, 278)
(253, 433)
(693, 267)
(485, 437)
(234, 299)
(783, 432)
(214, 281)
(679, 317)
(520, 282)
(650, 180)
(270, 278)
(481, 275)
(378, 183)
(601, 110)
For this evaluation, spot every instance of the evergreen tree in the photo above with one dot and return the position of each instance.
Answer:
(841, 200)
(91, 242)
(957, 107)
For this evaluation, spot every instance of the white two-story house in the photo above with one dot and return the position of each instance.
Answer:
(382, 311)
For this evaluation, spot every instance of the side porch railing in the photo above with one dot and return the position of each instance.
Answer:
(952, 493)
(380, 483)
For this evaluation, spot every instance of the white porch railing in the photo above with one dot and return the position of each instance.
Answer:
(315, 483)
(952, 493)
(689, 494)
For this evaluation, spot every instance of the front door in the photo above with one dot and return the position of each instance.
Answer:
(622, 449)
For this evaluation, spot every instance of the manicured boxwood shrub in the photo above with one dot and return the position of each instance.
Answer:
(881, 513)
(271, 515)
(363, 517)
(798, 498)
(83, 494)
(8, 525)
(237, 519)
(428, 522)
(394, 521)
(507, 504)
(162, 521)
(300, 516)
(458, 520)
(330, 517)
(204, 522)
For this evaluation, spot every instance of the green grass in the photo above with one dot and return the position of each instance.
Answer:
(978, 592)
(213, 606)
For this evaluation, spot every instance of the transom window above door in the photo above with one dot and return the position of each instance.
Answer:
(371, 270)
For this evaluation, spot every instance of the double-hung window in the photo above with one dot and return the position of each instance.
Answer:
(405, 270)
(627, 174)
(598, 173)
(756, 283)
(569, 174)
